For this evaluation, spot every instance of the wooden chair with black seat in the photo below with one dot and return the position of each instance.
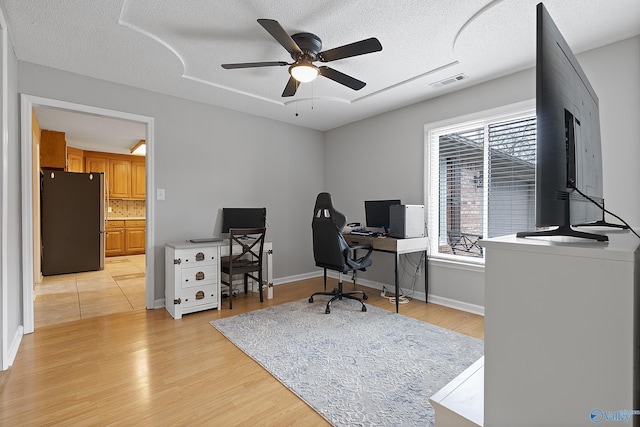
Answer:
(245, 257)
(332, 252)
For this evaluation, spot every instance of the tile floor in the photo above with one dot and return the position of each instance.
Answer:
(119, 288)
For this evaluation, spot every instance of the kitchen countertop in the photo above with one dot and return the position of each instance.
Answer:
(122, 218)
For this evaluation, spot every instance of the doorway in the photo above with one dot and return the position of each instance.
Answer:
(28, 103)
(118, 288)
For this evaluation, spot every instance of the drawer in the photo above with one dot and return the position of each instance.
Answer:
(115, 224)
(197, 256)
(198, 274)
(200, 295)
(135, 223)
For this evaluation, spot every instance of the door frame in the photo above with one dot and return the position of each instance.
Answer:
(5, 355)
(27, 104)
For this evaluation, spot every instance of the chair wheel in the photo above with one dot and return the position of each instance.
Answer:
(310, 299)
(364, 308)
(328, 310)
(365, 297)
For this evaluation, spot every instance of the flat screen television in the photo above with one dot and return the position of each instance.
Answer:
(568, 147)
(243, 218)
(377, 212)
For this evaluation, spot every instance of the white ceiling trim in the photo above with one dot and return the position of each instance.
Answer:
(473, 18)
(411, 80)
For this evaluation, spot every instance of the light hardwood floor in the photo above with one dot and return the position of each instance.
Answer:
(144, 368)
(119, 288)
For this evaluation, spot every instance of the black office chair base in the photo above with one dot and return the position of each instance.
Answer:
(339, 294)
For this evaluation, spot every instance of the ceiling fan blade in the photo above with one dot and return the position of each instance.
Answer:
(354, 49)
(291, 87)
(341, 78)
(281, 36)
(254, 65)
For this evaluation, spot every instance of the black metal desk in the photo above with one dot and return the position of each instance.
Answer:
(397, 247)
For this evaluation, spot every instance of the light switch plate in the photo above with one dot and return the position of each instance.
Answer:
(160, 194)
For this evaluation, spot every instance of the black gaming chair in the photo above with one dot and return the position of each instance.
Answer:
(332, 252)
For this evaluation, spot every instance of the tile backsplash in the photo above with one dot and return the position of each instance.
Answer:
(126, 208)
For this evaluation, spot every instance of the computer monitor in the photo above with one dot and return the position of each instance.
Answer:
(377, 212)
(243, 218)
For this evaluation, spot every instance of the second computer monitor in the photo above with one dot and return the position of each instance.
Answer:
(377, 212)
(243, 218)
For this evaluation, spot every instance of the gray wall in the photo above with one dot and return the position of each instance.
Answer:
(194, 144)
(207, 158)
(392, 146)
(13, 256)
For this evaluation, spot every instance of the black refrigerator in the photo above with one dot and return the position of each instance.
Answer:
(72, 207)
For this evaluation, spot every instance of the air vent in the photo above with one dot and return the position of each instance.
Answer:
(450, 80)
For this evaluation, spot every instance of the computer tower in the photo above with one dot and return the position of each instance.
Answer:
(406, 221)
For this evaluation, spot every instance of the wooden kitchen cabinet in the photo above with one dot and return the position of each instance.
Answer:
(75, 160)
(125, 175)
(115, 238)
(96, 164)
(53, 150)
(135, 237)
(125, 237)
(119, 178)
(138, 180)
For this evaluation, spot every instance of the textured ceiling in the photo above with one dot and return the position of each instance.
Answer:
(176, 47)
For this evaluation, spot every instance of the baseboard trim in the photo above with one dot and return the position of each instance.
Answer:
(458, 305)
(13, 348)
(417, 295)
(297, 277)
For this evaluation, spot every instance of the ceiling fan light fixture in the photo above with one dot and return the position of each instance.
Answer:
(304, 72)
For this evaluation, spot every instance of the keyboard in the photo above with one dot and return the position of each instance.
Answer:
(207, 240)
(362, 232)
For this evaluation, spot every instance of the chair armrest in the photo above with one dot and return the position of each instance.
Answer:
(360, 247)
(360, 262)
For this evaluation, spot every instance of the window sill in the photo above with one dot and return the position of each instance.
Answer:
(457, 262)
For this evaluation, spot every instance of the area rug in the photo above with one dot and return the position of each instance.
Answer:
(373, 368)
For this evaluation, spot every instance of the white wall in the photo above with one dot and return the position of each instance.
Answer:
(207, 158)
(382, 157)
(614, 72)
(12, 318)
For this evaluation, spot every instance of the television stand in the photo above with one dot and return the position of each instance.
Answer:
(564, 230)
(603, 223)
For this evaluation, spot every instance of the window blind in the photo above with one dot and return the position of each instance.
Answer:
(482, 182)
(512, 174)
(461, 204)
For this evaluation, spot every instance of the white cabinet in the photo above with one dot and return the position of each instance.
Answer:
(192, 278)
(561, 330)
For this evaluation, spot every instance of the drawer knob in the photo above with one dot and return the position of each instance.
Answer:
(200, 275)
(200, 295)
(199, 256)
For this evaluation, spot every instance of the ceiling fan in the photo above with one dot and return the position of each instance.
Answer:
(305, 49)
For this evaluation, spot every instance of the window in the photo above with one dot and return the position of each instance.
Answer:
(480, 180)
